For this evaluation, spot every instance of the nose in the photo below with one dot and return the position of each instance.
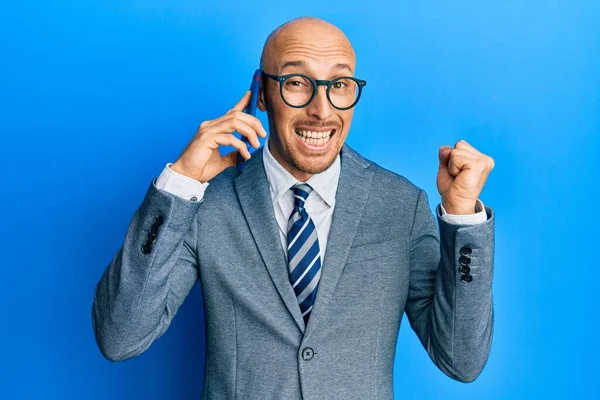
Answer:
(320, 107)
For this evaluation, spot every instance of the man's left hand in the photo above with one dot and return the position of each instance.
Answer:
(463, 171)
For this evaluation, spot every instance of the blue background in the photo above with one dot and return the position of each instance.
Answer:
(96, 96)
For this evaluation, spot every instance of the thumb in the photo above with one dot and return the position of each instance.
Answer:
(444, 155)
(242, 103)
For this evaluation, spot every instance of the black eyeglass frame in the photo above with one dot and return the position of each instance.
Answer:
(315, 84)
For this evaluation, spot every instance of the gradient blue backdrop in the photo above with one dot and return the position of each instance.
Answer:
(96, 96)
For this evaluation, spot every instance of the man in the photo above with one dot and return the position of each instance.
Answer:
(309, 257)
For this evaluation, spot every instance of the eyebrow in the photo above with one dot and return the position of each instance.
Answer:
(340, 66)
(302, 64)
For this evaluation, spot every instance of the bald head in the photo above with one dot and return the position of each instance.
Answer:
(305, 37)
(306, 139)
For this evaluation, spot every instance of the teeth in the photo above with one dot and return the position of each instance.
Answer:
(312, 134)
(314, 138)
(315, 141)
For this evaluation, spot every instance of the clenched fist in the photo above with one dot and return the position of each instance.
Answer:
(463, 171)
(201, 159)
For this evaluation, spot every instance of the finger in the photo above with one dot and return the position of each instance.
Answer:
(462, 144)
(225, 117)
(454, 162)
(461, 159)
(462, 152)
(470, 150)
(237, 109)
(243, 103)
(230, 140)
(232, 124)
(465, 157)
(218, 120)
(252, 121)
(248, 132)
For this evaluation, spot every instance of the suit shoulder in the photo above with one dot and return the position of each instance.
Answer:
(222, 183)
(389, 177)
(385, 180)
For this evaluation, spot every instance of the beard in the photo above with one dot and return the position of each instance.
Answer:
(295, 157)
(311, 165)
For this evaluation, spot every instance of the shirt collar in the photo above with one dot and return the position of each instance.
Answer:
(280, 180)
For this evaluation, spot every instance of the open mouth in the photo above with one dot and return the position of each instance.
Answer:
(315, 139)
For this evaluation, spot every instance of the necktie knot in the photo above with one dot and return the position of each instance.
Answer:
(301, 192)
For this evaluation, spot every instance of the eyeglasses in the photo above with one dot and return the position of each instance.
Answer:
(298, 90)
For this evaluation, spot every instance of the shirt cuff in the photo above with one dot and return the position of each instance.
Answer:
(180, 185)
(465, 219)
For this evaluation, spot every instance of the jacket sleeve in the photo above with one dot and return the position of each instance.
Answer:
(149, 277)
(449, 303)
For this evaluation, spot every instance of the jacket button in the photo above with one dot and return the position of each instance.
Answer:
(307, 353)
(146, 248)
(158, 220)
(194, 198)
(153, 230)
(466, 278)
(465, 270)
(151, 239)
(465, 251)
(464, 260)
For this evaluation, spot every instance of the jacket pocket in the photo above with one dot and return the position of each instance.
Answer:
(370, 251)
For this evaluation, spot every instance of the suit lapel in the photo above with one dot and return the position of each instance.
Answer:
(254, 196)
(353, 190)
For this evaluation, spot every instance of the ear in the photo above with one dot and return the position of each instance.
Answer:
(261, 98)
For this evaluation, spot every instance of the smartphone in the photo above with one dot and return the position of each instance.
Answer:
(250, 109)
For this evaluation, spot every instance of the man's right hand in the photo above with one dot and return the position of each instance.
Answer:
(201, 159)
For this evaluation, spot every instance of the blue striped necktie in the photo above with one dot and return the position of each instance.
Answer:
(304, 259)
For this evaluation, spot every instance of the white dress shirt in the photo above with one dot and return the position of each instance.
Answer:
(319, 205)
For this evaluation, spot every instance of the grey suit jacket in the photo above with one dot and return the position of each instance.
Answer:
(384, 257)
